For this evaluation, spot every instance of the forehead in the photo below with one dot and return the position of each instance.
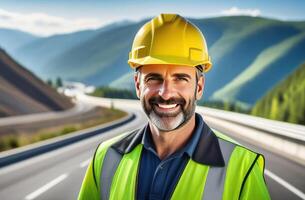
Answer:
(168, 69)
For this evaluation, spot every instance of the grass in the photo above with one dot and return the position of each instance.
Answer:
(10, 141)
(114, 93)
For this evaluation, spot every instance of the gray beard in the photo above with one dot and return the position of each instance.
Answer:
(170, 123)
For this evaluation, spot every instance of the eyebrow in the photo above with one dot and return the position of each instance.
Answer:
(178, 75)
(182, 75)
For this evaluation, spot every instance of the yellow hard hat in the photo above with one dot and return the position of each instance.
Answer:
(169, 39)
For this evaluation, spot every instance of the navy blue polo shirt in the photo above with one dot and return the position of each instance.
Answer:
(158, 178)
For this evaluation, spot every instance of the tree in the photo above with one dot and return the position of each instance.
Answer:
(49, 82)
(58, 82)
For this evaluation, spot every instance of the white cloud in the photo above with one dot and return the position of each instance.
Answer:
(238, 11)
(44, 24)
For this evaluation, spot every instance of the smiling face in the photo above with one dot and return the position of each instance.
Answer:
(168, 94)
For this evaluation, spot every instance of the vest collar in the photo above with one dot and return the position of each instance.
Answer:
(207, 150)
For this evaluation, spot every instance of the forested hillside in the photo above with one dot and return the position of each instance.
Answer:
(286, 101)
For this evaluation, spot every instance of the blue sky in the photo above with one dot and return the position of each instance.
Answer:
(44, 17)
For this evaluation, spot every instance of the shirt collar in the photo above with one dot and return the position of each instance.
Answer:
(202, 148)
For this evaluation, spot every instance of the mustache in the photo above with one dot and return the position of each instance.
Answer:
(160, 100)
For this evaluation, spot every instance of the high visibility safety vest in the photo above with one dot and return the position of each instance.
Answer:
(112, 173)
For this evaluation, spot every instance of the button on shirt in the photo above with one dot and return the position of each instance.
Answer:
(158, 178)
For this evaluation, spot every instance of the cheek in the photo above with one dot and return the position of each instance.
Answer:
(187, 90)
(147, 91)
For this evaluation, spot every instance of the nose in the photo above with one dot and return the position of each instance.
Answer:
(166, 90)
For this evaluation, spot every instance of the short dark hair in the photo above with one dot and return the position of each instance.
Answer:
(199, 71)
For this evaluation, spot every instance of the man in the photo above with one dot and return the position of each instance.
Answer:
(176, 155)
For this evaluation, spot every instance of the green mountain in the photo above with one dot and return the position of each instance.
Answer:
(239, 45)
(249, 54)
(269, 67)
(286, 101)
(124, 82)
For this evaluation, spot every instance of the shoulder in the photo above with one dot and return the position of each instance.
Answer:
(241, 155)
(103, 146)
(244, 172)
(101, 150)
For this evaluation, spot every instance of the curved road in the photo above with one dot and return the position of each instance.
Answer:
(58, 174)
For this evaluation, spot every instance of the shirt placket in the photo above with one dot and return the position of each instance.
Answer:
(159, 178)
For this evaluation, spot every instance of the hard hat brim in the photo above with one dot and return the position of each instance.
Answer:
(148, 60)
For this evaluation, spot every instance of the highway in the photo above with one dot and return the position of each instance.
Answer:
(57, 175)
(79, 108)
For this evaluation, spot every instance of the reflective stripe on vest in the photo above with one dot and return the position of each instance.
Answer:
(112, 158)
(118, 178)
(123, 184)
(215, 181)
(201, 181)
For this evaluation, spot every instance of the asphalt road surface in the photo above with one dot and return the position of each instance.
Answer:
(57, 175)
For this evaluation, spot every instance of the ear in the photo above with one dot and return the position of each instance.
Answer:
(137, 84)
(200, 87)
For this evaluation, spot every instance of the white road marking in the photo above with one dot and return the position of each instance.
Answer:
(85, 163)
(47, 186)
(285, 184)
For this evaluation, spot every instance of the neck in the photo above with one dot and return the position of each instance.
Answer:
(167, 143)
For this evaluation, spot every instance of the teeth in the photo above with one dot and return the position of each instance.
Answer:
(167, 105)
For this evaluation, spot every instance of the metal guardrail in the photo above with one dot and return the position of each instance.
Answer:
(281, 138)
(293, 132)
(13, 156)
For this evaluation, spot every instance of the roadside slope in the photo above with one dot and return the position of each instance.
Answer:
(21, 92)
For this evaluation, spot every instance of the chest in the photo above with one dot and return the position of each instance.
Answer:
(158, 178)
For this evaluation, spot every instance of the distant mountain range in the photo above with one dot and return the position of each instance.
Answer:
(11, 40)
(21, 92)
(249, 54)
